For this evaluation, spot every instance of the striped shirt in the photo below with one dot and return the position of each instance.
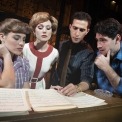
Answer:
(103, 81)
(21, 67)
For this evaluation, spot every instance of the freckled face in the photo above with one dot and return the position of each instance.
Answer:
(43, 31)
(14, 42)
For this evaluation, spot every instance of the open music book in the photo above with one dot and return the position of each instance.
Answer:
(20, 101)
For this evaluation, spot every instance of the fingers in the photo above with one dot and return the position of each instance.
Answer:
(69, 90)
(56, 87)
(108, 54)
(97, 59)
(3, 50)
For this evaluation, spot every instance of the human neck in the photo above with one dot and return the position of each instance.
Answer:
(116, 51)
(41, 46)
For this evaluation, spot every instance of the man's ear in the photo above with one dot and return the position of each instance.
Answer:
(118, 38)
(88, 30)
(70, 26)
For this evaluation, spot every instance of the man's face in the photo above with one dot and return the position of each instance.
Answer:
(104, 44)
(78, 30)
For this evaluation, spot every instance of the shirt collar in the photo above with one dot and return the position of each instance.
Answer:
(119, 54)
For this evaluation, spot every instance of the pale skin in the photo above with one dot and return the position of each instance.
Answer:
(5, 80)
(78, 30)
(42, 32)
(107, 48)
(12, 44)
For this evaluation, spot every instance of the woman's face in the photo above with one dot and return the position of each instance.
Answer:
(43, 31)
(14, 42)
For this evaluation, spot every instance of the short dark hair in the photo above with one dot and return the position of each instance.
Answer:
(82, 16)
(109, 27)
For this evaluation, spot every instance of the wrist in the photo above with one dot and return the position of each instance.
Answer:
(78, 88)
(7, 56)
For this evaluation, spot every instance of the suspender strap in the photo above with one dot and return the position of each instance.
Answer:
(36, 73)
(40, 56)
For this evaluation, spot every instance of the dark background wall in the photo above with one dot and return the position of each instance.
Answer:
(62, 10)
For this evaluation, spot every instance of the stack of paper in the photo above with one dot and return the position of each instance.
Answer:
(83, 100)
(20, 101)
(13, 102)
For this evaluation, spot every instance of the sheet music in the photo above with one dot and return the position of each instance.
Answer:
(12, 100)
(48, 97)
(16, 100)
(82, 100)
